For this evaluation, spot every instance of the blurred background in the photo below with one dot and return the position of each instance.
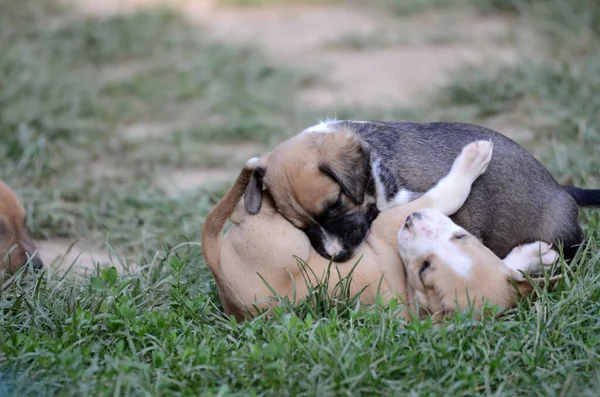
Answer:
(122, 121)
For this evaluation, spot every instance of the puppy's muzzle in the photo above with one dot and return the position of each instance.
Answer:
(37, 263)
(337, 238)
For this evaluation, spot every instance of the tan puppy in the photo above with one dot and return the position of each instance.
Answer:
(444, 262)
(265, 244)
(16, 246)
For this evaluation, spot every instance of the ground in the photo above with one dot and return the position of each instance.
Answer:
(359, 55)
(122, 121)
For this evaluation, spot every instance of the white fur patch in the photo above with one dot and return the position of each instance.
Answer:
(532, 257)
(324, 127)
(432, 233)
(332, 245)
(460, 263)
(402, 197)
(382, 204)
(252, 163)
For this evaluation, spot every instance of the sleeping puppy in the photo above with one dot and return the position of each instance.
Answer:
(443, 261)
(16, 246)
(266, 244)
(333, 179)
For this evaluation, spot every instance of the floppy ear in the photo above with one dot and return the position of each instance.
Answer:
(351, 169)
(525, 287)
(253, 196)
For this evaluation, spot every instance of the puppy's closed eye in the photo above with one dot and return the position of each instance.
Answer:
(424, 266)
(335, 205)
(460, 236)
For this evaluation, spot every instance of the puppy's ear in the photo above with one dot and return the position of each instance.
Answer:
(351, 169)
(253, 196)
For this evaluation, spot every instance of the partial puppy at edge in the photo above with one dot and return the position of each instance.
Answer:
(16, 245)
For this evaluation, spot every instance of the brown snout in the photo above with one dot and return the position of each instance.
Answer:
(16, 251)
(31, 251)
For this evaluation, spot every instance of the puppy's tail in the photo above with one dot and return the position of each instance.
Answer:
(212, 231)
(584, 197)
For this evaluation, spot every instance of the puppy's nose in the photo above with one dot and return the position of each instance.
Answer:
(411, 218)
(37, 263)
(416, 215)
(341, 256)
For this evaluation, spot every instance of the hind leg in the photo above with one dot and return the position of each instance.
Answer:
(531, 258)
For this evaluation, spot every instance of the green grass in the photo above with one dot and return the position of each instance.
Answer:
(68, 90)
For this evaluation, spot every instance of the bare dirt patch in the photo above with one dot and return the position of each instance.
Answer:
(421, 49)
(84, 253)
(392, 77)
(175, 182)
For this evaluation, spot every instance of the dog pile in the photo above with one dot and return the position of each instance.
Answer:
(423, 212)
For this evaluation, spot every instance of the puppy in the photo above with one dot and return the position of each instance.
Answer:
(448, 268)
(16, 246)
(265, 245)
(333, 179)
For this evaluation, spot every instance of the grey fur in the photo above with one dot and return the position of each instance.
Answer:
(516, 201)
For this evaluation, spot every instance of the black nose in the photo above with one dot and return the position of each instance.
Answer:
(37, 263)
(416, 215)
(342, 256)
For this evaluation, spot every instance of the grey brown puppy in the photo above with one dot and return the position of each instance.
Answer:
(333, 179)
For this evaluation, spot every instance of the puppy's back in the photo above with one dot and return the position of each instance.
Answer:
(516, 201)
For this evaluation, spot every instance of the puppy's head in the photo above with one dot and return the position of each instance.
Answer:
(448, 268)
(322, 183)
(16, 246)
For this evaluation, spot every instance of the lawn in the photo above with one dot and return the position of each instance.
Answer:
(70, 91)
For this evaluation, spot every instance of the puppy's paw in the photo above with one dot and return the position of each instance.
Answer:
(532, 258)
(548, 254)
(474, 159)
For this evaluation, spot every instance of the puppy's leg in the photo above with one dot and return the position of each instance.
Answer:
(452, 191)
(448, 195)
(531, 258)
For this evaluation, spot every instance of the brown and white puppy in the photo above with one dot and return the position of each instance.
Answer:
(333, 179)
(266, 244)
(449, 268)
(16, 246)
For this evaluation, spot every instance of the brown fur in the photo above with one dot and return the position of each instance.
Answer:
(265, 244)
(440, 291)
(16, 246)
(302, 192)
(516, 202)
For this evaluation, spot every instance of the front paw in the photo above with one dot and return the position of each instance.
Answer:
(474, 159)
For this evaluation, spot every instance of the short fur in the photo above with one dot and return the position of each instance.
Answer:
(16, 246)
(426, 242)
(266, 243)
(332, 181)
